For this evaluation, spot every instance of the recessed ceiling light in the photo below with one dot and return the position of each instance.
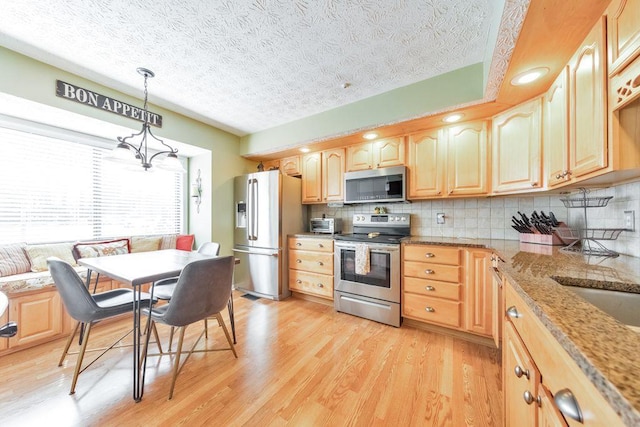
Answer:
(304, 150)
(452, 118)
(370, 135)
(529, 76)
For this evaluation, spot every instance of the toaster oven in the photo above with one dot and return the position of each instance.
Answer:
(325, 225)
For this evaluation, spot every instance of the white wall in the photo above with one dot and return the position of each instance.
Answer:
(490, 218)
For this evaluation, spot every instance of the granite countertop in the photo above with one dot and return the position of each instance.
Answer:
(604, 349)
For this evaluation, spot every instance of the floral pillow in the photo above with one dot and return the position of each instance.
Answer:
(98, 249)
(13, 260)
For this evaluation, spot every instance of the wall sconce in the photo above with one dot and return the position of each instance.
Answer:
(196, 191)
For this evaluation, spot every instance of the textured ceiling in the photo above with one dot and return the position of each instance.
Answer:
(248, 65)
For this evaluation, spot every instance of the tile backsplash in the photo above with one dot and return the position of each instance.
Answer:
(490, 218)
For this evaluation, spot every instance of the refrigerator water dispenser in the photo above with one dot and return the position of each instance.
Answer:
(241, 215)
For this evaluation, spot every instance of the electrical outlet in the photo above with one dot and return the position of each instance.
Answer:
(440, 218)
(629, 220)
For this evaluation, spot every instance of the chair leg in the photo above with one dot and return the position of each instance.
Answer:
(80, 357)
(176, 364)
(226, 333)
(171, 338)
(206, 329)
(68, 344)
(156, 335)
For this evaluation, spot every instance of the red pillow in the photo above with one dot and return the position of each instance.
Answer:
(185, 242)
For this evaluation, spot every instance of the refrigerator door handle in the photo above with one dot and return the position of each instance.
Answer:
(275, 254)
(249, 207)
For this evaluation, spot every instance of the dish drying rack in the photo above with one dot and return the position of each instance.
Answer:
(587, 238)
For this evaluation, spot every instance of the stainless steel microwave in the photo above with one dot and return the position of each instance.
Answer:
(376, 185)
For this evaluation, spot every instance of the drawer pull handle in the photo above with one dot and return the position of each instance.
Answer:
(320, 285)
(529, 399)
(520, 372)
(320, 263)
(429, 255)
(299, 261)
(320, 245)
(298, 281)
(298, 244)
(429, 271)
(567, 404)
(513, 312)
(429, 288)
(429, 309)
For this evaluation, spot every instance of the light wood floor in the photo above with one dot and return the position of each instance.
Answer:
(300, 363)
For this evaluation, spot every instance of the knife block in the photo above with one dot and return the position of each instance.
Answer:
(547, 239)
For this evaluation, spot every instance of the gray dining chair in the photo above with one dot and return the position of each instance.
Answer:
(87, 309)
(202, 291)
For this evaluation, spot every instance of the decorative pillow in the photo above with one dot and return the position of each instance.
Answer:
(145, 244)
(13, 260)
(97, 249)
(168, 241)
(185, 242)
(38, 254)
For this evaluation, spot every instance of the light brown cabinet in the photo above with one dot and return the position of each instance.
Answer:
(377, 154)
(271, 164)
(291, 166)
(517, 148)
(323, 176)
(538, 373)
(311, 266)
(623, 30)
(426, 164)
(467, 159)
(38, 315)
(555, 125)
(478, 301)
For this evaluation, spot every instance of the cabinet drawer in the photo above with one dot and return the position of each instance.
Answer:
(314, 262)
(311, 283)
(427, 270)
(433, 254)
(434, 310)
(319, 245)
(432, 288)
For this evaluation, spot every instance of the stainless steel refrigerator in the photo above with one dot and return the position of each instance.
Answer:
(267, 208)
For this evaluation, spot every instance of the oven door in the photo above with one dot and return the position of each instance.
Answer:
(382, 282)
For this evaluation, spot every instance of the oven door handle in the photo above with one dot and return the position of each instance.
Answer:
(385, 250)
(359, 301)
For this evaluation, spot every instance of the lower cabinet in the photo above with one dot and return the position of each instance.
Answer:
(311, 266)
(38, 315)
(543, 386)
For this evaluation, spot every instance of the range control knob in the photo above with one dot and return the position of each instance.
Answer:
(390, 218)
(397, 218)
(404, 218)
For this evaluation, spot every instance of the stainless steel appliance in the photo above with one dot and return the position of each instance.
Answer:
(267, 209)
(376, 185)
(325, 225)
(375, 295)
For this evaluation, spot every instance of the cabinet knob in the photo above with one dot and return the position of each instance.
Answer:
(439, 193)
(298, 281)
(534, 184)
(429, 309)
(298, 244)
(513, 312)
(520, 372)
(320, 285)
(559, 176)
(429, 271)
(320, 245)
(320, 263)
(529, 399)
(567, 404)
(429, 255)
(299, 261)
(429, 288)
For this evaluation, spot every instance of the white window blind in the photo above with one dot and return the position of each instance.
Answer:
(56, 190)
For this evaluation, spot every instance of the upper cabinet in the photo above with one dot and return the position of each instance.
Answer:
(555, 107)
(587, 104)
(623, 28)
(517, 149)
(291, 166)
(378, 154)
(426, 164)
(271, 164)
(467, 159)
(323, 176)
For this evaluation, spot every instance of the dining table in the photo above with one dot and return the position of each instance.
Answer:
(135, 270)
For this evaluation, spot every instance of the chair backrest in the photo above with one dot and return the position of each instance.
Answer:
(76, 297)
(203, 289)
(209, 249)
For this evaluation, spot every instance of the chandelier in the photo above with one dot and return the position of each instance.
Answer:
(123, 151)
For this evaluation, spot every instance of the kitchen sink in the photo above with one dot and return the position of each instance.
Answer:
(623, 306)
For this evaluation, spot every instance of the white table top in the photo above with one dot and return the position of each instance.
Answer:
(142, 267)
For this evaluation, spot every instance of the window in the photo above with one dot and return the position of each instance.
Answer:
(55, 189)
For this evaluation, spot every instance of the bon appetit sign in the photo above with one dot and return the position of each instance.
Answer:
(87, 97)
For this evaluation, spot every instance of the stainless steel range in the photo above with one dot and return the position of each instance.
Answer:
(374, 295)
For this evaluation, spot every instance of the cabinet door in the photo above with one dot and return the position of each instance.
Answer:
(467, 159)
(388, 152)
(271, 164)
(38, 315)
(311, 178)
(548, 414)
(588, 134)
(360, 157)
(517, 411)
(478, 293)
(555, 125)
(333, 175)
(623, 28)
(426, 164)
(290, 166)
(517, 148)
